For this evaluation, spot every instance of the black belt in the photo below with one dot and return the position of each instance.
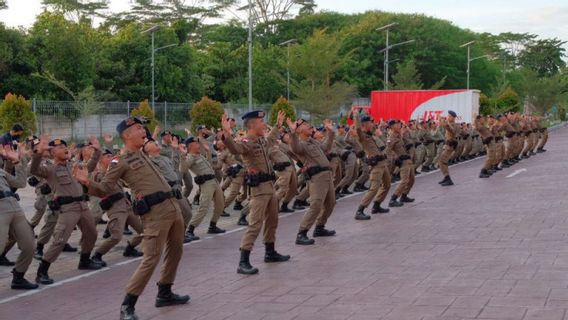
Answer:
(107, 202)
(312, 171)
(373, 161)
(409, 146)
(497, 139)
(255, 179)
(204, 178)
(143, 206)
(68, 200)
(281, 166)
(417, 144)
(332, 155)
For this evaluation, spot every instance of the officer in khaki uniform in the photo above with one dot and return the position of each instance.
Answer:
(263, 203)
(451, 130)
(429, 147)
(488, 141)
(160, 211)
(398, 145)
(377, 160)
(13, 220)
(210, 190)
(320, 178)
(71, 202)
(234, 180)
(119, 211)
(286, 179)
(495, 130)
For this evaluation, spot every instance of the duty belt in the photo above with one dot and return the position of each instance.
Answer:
(107, 202)
(174, 183)
(312, 171)
(204, 178)
(281, 166)
(68, 200)
(373, 161)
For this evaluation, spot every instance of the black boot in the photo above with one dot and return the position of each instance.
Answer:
(496, 168)
(302, 238)
(127, 308)
(225, 214)
(166, 297)
(106, 234)
(126, 231)
(345, 190)
(447, 181)
(238, 206)
(338, 194)
(20, 283)
(69, 248)
(272, 256)
(321, 231)
(298, 205)
(39, 251)
(284, 207)
(358, 188)
(360, 214)
(130, 251)
(42, 275)
(86, 263)
(5, 262)
(190, 235)
(406, 199)
(378, 209)
(484, 173)
(213, 229)
(243, 220)
(244, 264)
(395, 203)
(98, 258)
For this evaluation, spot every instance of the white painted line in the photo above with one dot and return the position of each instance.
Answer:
(118, 264)
(516, 173)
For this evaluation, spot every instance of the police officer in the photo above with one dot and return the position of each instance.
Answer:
(398, 145)
(12, 137)
(13, 219)
(71, 202)
(488, 141)
(263, 203)
(451, 131)
(320, 178)
(160, 211)
(210, 191)
(377, 160)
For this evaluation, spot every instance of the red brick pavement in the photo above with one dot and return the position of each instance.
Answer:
(483, 249)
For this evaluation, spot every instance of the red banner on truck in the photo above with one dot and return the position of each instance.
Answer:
(424, 104)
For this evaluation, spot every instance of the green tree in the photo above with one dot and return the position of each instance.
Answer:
(16, 109)
(206, 112)
(407, 76)
(544, 93)
(3, 4)
(78, 9)
(317, 62)
(144, 110)
(282, 104)
(545, 57)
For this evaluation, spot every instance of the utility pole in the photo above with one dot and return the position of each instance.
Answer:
(288, 43)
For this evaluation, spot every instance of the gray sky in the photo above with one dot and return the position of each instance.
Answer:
(546, 18)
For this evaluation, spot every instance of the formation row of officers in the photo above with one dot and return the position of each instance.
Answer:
(259, 171)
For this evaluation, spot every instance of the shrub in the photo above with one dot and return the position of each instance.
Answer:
(282, 104)
(145, 110)
(208, 112)
(16, 109)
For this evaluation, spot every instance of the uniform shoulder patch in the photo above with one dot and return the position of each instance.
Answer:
(115, 160)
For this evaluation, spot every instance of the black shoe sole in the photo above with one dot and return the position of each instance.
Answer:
(284, 259)
(247, 272)
(170, 303)
(24, 288)
(305, 243)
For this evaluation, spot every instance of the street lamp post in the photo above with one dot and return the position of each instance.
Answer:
(386, 63)
(469, 59)
(152, 31)
(288, 43)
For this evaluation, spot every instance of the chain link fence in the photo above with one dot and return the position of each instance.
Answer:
(74, 121)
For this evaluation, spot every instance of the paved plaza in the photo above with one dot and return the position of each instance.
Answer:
(484, 249)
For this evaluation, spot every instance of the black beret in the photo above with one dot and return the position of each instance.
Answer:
(201, 127)
(17, 127)
(320, 128)
(107, 152)
(127, 123)
(392, 122)
(190, 140)
(165, 133)
(366, 118)
(57, 142)
(258, 114)
(452, 113)
(80, 145)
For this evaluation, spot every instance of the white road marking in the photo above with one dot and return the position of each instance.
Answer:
(516, 173)
(118, 264)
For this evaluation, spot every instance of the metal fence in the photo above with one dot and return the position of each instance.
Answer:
(72, 120)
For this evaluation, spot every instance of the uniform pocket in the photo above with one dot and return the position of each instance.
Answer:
(63, 177)
(150, 243)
